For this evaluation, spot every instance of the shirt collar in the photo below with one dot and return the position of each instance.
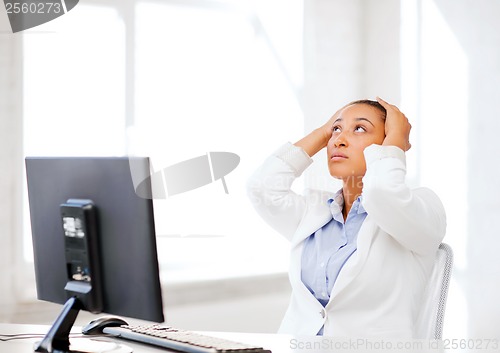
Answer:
(336, 204)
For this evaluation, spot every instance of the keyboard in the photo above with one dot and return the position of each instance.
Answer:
(181, 340)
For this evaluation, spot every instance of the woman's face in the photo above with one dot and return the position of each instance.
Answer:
(357, 127)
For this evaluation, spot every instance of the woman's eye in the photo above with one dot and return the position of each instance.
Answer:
(336, 129)
(359, 129)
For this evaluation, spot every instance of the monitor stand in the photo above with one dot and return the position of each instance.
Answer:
(57, 339)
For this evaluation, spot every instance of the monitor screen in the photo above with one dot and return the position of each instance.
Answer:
(126, 275)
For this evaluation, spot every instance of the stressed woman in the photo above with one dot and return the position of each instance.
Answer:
(360, 257)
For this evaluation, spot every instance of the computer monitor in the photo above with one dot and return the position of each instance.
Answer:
(94, 239)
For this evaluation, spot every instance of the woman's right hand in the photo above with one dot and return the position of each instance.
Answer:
(318, 138)
(327, 128)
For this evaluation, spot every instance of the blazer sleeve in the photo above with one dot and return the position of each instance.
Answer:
(269, 189)
(415, 218)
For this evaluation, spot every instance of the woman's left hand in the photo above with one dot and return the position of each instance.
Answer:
(397, 127)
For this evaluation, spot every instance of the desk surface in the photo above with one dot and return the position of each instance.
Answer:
(29, 334)
(275, 342)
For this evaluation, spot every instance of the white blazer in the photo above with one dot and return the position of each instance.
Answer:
(379, 289)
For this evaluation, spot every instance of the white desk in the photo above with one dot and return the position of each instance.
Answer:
(275, 342)
(268, 341)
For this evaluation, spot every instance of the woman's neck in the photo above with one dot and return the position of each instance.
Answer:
(351, 189)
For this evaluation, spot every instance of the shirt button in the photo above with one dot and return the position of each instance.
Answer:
(322, 264)
(323, 314)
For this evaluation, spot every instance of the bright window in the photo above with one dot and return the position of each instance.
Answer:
(74, 99)
(200, 79)
(207, 81)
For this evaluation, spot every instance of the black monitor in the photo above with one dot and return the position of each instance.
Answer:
(94, 239)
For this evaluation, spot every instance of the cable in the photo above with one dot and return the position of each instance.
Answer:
(20, 336)
(25, 336)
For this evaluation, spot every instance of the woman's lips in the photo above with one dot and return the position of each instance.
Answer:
(338, 157)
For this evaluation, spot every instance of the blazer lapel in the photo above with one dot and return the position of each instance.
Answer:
(311, 223)
(358, 259)
(316, 217)
(314, 220)
(308, 226)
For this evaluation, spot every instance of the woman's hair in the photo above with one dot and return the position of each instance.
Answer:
(371, 103)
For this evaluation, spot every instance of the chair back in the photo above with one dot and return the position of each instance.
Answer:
(431, 317)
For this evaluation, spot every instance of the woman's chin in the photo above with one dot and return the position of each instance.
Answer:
(336, 176)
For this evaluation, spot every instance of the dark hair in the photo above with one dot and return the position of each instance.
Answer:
(371, 103)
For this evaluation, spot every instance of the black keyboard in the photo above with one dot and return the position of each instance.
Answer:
(181, 340)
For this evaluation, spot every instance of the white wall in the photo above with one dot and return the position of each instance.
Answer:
(11, 161)
(477, 29)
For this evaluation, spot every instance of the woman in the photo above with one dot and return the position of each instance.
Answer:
(361, 257)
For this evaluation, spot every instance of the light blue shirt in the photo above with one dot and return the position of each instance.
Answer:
(328, 249)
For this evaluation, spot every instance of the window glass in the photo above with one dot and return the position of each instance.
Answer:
(203, 80)
(207, 81)
(73, 81)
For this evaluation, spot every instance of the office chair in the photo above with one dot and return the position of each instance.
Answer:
(430, 322)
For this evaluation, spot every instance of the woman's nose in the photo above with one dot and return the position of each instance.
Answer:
(340, 140)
